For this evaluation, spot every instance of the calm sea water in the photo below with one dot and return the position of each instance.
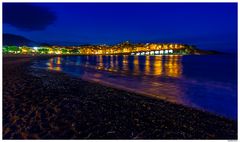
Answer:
(206, 82)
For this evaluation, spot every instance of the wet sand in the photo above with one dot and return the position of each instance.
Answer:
(39, 104)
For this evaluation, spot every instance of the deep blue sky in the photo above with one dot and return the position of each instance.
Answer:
(206, 25)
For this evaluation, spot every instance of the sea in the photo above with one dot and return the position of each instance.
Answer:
(204, 82)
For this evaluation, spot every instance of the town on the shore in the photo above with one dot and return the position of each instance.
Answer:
(125, 48)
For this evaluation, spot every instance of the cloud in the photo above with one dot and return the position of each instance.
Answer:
(26, 16)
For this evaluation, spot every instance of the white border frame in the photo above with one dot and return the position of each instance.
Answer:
(116, 1)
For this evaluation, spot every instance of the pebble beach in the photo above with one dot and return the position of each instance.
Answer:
(43, 104)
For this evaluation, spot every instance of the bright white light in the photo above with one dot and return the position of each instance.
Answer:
(138, 54)
(161, 51)
(143, 53)
(156, 52)
(170, 51)
(132, 53)
(166, 51)
(152, 52)
(147, 53)
(35, 48)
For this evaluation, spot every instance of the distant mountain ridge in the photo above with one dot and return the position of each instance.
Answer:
(17, 40)
(11, 39)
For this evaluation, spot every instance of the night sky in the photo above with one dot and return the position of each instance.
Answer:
(206, 25)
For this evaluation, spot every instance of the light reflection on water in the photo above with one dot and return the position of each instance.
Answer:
(134, 65)
(54, 64)
(196, 81)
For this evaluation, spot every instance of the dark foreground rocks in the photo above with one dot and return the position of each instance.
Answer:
(40, 104)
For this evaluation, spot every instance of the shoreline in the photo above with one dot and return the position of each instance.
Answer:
(133, 92)
(131, 116)
(89, 78)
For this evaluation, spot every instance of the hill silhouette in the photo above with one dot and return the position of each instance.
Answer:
(17, 40)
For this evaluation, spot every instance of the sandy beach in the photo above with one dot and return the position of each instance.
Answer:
(40, 104)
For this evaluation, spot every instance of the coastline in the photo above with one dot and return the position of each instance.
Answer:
(53, 105)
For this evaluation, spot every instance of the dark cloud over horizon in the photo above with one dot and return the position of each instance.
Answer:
(28, 17)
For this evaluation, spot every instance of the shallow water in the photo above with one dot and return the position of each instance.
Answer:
(206, 82)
